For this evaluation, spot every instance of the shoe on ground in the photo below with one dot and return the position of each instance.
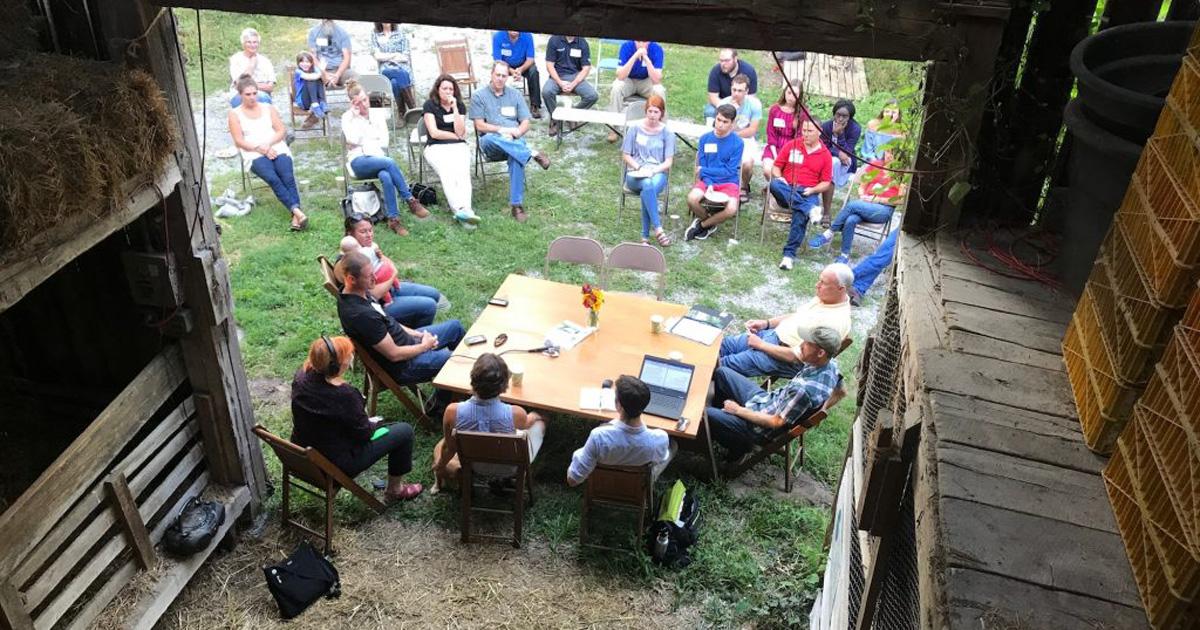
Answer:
(518, 213)
(786, 263)
(690, 232)
(553, 128)
(310, 122)
(541, 160)
(443, 304)
(396, 226)
(744, 196)
(818, 241)
(417, 209)
(705, 232)
(842, 258)
(536, 113)
(855, 297)
(319, 110)
(612, 136)
(467, 217)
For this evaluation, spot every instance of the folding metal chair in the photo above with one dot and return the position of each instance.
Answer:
(377, 84)
(576, 249)
(639, 257)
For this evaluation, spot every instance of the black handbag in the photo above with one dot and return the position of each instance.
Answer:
(425, 194)
(301, 579)
(194, 527)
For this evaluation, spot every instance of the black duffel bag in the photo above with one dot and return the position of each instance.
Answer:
(194, 527)
(301, 579)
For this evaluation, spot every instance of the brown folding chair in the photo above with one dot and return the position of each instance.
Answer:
(617, 487)
(498, 449)
(377, 376)
(576, 249)
(639, 257)
(329, 278)
(783, 443)
(310, 466)
(454, 59)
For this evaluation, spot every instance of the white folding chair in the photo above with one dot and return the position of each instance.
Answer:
(378, 84)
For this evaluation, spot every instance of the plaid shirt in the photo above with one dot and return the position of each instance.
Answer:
(802, 395)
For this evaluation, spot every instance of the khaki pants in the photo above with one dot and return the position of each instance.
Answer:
(622, 90)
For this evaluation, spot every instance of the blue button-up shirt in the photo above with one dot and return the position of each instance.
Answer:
(796, 400)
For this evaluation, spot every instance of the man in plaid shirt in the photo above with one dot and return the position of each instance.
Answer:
(748, 415)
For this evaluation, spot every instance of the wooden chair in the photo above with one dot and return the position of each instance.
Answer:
(329, 278)
(310, 466)
(639, 257)
(377, 376)
(576, 249)
(617, 487)
(317, 131)
(497, 449)
(454, 59)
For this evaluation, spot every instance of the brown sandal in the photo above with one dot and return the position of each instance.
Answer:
(663, 239)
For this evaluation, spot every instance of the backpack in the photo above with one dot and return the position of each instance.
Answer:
(425, 194)
(679, 519)
(362, 198)
(194, 527)
(301, 579)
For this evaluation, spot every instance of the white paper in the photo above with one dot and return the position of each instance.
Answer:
(504, 52)
(598, 398)
(778, 122)
(448, 119)
(508, 111)
(322, 41)
(796, 157)
(641, 172)
(568, 334)
(710, 147)
(694, 330)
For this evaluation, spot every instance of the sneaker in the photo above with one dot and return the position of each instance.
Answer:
(819, 241)
(541, 160)
(319, 110)
(785, 263)
(443, 304)
(705, 232)
(612, 137)
(690, 233)
(842, 258)
(467, 217)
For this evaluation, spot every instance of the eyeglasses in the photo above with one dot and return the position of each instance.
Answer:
(842, 116)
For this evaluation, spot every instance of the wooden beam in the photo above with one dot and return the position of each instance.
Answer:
(13, 615)
(131, 522)
(37, 510)
(899, 29)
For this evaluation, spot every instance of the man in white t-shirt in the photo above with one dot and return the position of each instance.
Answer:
(770, 347)
(749, 117)
(249, 61)
(625, 441)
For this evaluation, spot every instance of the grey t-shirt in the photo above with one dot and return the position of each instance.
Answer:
(329, 47)
(506, 110)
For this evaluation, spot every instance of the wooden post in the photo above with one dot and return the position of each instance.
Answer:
(211, 353)
(13, 615)
(131, 521)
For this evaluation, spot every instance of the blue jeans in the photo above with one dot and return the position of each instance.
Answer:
(648, 188)
(413, 305)
(263, 97)
(279, 176)
(728, 430)
(309, 94)
(423, 367)
(790, 197)
(496, 148)
(855, 212)
(390, 178)
(399, 77)
(870, 267)
(737, 355)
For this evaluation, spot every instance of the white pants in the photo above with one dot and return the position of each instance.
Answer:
(452, 163)
(624, 89)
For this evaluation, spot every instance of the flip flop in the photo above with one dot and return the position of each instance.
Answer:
(299, 227)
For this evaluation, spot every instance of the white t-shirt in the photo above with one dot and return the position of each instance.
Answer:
(368, 133)
(239, 64)
(814, 314)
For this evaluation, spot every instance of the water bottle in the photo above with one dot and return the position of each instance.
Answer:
(660, 545)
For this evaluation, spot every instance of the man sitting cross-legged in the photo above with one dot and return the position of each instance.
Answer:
(625, 441)
(771, 347)
(483, 412)
(803, 170)
(748, 415)
(717, 164)
(409, 356)
(502, 120)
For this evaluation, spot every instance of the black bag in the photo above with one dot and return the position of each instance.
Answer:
(301, 579)
(425, 194)
(680, 536)
(194, 527)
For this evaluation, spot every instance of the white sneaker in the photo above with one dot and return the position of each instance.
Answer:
(785, 263)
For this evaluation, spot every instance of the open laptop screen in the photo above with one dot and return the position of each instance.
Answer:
(667, 374)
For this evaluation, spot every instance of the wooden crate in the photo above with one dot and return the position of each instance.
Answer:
(1149, 317)
(1166, 245)
(1103, 411)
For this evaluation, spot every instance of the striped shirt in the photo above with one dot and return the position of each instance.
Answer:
(797, 399)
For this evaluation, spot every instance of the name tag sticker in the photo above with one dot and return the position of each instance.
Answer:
(504, 52)
(448, 119)
(508, 111)
(778, 123)
(576, 53)
(710, 147)
(322, 41)
(796, 157)
(377, 307)
(642, 140)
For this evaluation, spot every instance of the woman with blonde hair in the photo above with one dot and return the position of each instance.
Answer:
(258, 133)
(329, 415)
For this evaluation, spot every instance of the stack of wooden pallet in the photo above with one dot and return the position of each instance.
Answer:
(1144, 275)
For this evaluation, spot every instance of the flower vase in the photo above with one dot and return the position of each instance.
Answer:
(593, 318)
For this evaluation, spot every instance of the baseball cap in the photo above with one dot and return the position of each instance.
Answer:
(824, 338)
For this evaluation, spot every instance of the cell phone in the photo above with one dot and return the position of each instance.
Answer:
(501, 302)
(475, 339)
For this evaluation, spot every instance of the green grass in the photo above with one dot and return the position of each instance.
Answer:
(761, 557)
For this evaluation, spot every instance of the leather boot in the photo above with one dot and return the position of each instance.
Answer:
(416, 208)
(396, 226)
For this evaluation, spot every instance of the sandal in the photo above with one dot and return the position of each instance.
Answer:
(408, 493)
(663, 239)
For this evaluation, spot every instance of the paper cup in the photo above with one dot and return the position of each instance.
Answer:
(517, 374)
(676, 356)
(656, 322)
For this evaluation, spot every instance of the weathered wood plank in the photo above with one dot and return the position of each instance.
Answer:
(922, 319)
(970, 343)
(13, 613)
(910, 30)
(990, 379)
(131, 522)
(69, 477)
(60, 244)
(1019, 432)
(982, 600)
(1021, 485)
(1037, 334)
(1053, 554)
(1002, 302)
(1025, 288)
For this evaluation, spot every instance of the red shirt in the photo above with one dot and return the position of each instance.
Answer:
(801, 167)
(880, 186)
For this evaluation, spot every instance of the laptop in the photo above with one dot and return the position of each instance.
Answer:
(669, 382)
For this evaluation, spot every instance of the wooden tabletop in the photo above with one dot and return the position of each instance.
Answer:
(624, 337)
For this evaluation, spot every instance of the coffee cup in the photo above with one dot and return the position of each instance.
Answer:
(656, 322)
(516, 372)
(675, 356)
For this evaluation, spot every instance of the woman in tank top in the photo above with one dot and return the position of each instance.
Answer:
(258, 133)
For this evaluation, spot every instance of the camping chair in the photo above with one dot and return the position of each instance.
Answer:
(329, 278)
(454, 59)
(782, 443)
(639, 257)
(495, 449)
(618, 487)
(317, 131)
(576, 249)
(378, 84)
(377, 376)
(310, 466)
